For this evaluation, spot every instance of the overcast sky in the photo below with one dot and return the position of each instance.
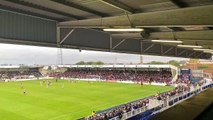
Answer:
(21, 54)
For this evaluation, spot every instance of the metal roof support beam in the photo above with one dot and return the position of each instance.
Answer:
(141, 46)
(110, 42)
(24, 42)
(148, 47)
(186, 36)
(45, 9)
(209, 56)
(199, 55)
(167, 50)
(191, 54)
(187, 53)
(97, 48)
(176, 28)
(181, 52)
(197, 40)
(58, 36)
(191, 16)
(71, 31)
(179, 3)
(30, 13)
(119, 5)
(82, 8)
(118, 44)
(176, 51)
(206, 55)
(161, 49)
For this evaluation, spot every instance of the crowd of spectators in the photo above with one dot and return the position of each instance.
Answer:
(118, 75)
(177, 90)
(119, 111)
(10, 75)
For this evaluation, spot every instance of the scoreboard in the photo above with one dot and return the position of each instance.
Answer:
(185, 74)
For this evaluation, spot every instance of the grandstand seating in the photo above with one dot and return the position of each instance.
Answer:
(137, 76)
(14, 75)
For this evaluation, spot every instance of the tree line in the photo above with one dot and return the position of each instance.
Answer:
(90, 63)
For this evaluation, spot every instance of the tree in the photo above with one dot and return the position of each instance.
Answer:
(194, 61)
(98, 63)
(203, 66)
(80, 63)
(155, 62)
(174, 62)
(90, 63)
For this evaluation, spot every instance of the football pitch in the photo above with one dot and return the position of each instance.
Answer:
(65, 100)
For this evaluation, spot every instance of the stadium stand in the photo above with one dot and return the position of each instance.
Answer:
(145, 76)
(12, 74)
(135, 74)
(144, 109)
(198, 107)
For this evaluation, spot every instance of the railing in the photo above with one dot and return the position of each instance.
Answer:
(127, 103)
(161, 105)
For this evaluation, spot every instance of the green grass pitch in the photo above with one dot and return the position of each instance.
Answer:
(74, 101)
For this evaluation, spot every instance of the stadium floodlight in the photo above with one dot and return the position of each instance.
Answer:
(190, 46)
(211, 52)
(202, 49)
(208, 51)
(205, 50)
(197, 49)
(123, 29)
(167, 41)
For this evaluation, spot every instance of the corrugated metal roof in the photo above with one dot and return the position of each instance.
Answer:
(188, 20)
(98, 5)
(61, 7)
(93, 8)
